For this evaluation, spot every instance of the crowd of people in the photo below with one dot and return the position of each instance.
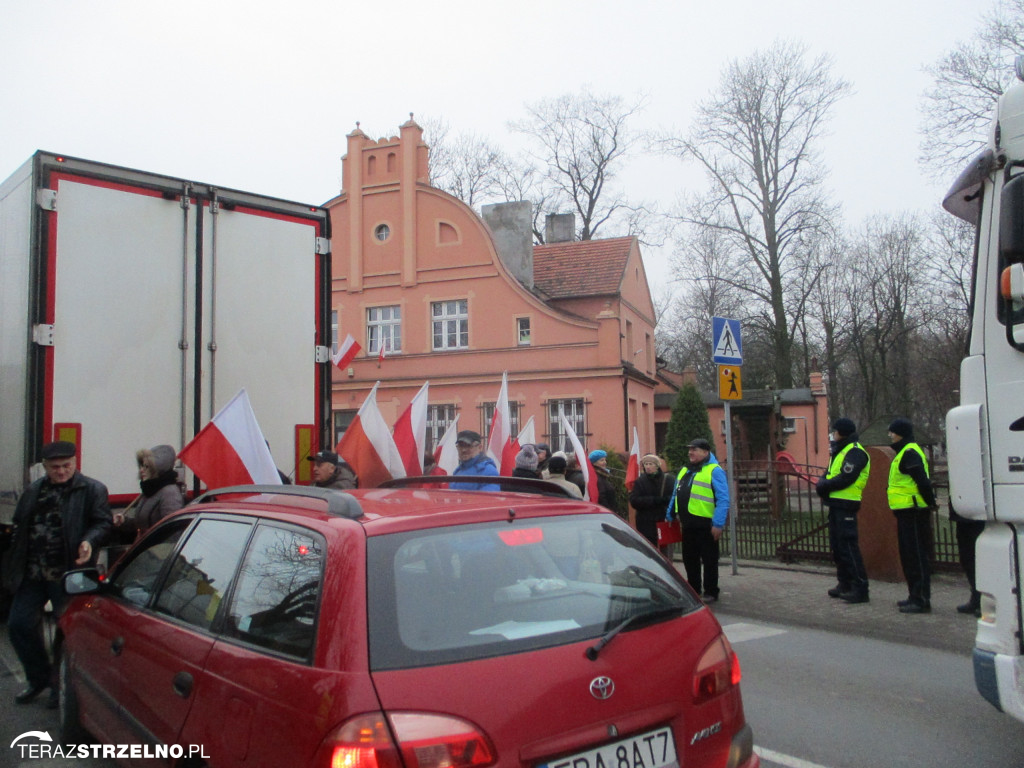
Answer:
(64, 518)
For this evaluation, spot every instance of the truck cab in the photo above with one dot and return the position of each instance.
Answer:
(985, 433)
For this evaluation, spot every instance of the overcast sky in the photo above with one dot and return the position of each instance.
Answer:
(258, 96)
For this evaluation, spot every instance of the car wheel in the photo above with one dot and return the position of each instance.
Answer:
(71, 730)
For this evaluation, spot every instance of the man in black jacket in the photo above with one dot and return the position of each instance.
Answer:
(60, 522)
(841, 488)
(912, 500)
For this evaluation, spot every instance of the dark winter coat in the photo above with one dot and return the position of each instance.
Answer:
(650, 498)
(85, 514)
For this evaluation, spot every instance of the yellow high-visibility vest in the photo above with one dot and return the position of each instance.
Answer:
(854, 491)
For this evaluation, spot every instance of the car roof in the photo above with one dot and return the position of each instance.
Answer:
(389, 510)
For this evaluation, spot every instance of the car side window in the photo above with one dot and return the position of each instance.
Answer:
(135, 581)
(275, 601)
(202, 572)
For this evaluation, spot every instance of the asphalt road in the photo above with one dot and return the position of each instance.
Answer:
(819, 699)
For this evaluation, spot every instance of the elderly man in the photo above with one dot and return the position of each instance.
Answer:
(701, 502)
(60, 522)
(331, 471)
(473, 461)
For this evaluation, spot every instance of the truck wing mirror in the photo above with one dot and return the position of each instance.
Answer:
(1011, 260)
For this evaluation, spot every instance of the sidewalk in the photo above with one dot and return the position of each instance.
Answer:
(796, 594)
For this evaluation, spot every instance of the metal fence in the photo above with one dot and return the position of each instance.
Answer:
(780, 517)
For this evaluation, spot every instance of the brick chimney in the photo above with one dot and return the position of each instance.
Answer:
(559, 228)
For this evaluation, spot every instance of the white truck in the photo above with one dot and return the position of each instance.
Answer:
(134, 305)
(985, 433)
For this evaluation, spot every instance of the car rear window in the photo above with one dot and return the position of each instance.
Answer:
(451, 594)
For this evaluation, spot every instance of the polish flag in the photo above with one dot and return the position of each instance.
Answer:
(499, 444)
(410, 433)
(446, 454)
(527, 435)
(368, 447)
(230, 449)
(380, 355)
(347, 352)
(633, 465)
(589, 475)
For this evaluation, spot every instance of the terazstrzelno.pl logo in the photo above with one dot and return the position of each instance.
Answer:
(39, 745)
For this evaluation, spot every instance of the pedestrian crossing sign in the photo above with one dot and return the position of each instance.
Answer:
(730, 386)
(725, 339)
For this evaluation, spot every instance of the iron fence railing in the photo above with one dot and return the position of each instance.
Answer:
(780, 517)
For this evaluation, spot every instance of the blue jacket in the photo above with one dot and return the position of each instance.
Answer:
(481, 464)
(720, 485)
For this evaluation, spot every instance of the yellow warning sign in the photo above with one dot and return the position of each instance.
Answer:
(730, 387)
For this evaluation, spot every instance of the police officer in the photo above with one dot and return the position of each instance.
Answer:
(842, 488)
(701, 502)
(912, 500)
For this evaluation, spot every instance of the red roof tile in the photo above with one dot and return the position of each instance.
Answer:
(581, 267)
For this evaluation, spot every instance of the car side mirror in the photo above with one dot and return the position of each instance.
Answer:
(81, 582)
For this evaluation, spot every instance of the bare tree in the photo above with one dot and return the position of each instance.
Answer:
(464, 165)
(756, 140)
(582, 140)
(968, 80)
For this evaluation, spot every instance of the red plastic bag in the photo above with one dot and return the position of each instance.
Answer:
(669, 533)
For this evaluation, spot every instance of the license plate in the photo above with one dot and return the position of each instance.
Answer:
(654, 749)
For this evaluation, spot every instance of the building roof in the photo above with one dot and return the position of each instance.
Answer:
(581, 267)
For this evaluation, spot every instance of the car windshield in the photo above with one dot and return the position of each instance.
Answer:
(443, 595)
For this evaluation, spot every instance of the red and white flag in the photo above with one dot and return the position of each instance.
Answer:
(410, 433)
(527, 435)
(347, 351)
(499, 443)
(446, 454)
(633, 464)
(589, 475)
(368, 447)
(230, 449)
(381, 354)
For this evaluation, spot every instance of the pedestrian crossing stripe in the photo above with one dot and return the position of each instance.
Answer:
(741, 632)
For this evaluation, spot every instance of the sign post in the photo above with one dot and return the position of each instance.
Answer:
(727, 351)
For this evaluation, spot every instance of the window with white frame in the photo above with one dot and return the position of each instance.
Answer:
(450, 321)
(487, 416)
(788, 425)
(383, 328)
(575, 413)
(523, 331)
(438, 419)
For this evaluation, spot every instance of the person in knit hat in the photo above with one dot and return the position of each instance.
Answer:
(526, 463)
(606, 495)
(650, 497)
(841, 488)
(556, 475)
(912, 500)
(161, 493)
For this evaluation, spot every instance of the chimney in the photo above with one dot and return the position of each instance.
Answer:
(511, 226)
(559, 228)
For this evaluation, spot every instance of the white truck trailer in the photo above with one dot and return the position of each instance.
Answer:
(135, 305)
(985, 433)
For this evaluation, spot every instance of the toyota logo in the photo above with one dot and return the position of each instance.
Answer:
(602, 687)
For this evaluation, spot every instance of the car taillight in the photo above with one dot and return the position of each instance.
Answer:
(424, 740)
(717, 671)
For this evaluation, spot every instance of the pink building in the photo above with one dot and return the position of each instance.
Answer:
(456, 299)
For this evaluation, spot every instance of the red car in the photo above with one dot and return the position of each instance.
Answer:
(398, 628)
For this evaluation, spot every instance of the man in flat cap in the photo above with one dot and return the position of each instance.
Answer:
(331, 471)
(701, 502)
(473, 461)
(842, 488)
(60, 523)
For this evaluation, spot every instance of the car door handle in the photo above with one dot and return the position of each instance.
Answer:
(183, 684)
(116, 646)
